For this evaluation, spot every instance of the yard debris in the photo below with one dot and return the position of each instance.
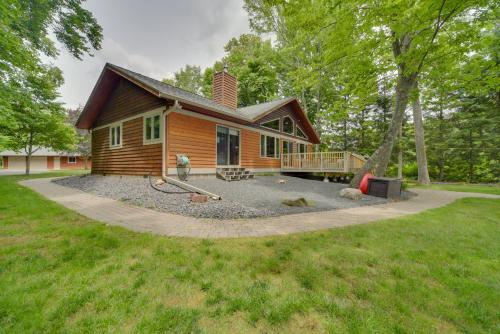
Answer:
(351, 193)
(281, 181)
(301, 202)
(159, 182)
(197, 198)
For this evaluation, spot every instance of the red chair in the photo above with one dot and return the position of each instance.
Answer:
(363, 186)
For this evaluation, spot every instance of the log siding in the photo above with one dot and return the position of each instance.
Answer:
(125, 101)
(192, 136)
(131, 158)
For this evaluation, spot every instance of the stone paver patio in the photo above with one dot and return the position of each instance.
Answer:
(140, 219)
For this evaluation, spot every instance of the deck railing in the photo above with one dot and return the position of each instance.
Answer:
(342, 162)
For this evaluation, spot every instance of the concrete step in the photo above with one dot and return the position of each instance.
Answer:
(234, 174)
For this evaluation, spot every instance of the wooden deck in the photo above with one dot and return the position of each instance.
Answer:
(328, 162)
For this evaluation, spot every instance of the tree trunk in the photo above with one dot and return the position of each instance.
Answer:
(380, 158)
(400, 152)
(423, 172)
(345, 134)
(28, 163)
(471, 163)
(29, 152)
(441, 139)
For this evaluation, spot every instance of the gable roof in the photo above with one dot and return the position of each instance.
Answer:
(111, 73)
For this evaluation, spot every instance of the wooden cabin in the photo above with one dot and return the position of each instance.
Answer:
(139, 125)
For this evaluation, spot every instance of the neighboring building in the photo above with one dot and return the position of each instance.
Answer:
(139, 125)
(41, 160)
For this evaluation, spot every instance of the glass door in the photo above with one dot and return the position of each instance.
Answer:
(228, 146)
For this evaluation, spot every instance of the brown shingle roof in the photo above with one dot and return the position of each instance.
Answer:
(164, 90)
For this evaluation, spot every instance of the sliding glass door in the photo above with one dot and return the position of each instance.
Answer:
(228, 146)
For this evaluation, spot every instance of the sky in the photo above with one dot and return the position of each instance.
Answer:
(152, 37)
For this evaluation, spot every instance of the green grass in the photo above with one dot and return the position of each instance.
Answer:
(462, 187)
(437, 271)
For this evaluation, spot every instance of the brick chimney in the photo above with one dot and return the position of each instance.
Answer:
(225, 89)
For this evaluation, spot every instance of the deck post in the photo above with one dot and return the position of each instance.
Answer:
(321, 161)
(347, 159)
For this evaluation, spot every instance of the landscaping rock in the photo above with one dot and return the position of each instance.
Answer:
(351, 193)
(296, 202)
(197, 198)
(159, 182)
(259, 197)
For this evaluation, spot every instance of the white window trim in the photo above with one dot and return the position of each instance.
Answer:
(283, 126)
(277, 152)
(303, 132)
(272, 120)
(69, 161)
(152, 113)
(239, 145)
(112, 126)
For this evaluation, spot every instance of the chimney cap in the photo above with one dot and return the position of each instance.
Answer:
(226, 68)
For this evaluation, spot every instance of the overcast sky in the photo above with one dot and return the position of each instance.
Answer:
(153, 37)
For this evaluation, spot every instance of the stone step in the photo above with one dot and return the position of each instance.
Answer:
(234, 174)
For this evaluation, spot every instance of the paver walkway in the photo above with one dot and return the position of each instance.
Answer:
(140, 219)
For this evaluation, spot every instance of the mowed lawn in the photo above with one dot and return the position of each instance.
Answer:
(493, 189)
(438, 271)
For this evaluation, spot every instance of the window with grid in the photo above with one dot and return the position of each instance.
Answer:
(152, 129)
(115, 134)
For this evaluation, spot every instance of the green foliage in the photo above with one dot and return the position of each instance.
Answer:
(83, 137)
(30, 117)
(188, 78)
(61, 272)
(251, 60)
(343, 58)
(35, 120)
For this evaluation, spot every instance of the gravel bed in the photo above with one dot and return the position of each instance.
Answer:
(240, 199)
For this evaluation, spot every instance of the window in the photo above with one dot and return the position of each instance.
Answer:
(228, 146)
(152, 129)
(300, 133)
(269, 146)
(302, 148)
(288, 125)
(72, 160)
(115, 136)
(274, 124)
(287, 147)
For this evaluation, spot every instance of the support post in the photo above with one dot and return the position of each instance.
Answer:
(347, 155)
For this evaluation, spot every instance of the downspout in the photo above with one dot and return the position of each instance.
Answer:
(180, 184)
(164, 167)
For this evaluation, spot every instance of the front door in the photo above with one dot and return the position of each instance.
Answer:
(228, 146)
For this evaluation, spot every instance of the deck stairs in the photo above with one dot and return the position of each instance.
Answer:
(234, 174)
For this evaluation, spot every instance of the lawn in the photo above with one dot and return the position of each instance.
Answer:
(437, 271)
(463, 187)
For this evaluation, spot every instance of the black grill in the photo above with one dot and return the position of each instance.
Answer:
(384, 187)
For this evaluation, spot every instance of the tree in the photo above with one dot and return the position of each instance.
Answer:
(82, 145)
(188, 78)
(250, 60)
(26, 27)
(423, 172)
(30, 117)
(356, 44)
(35, 120)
